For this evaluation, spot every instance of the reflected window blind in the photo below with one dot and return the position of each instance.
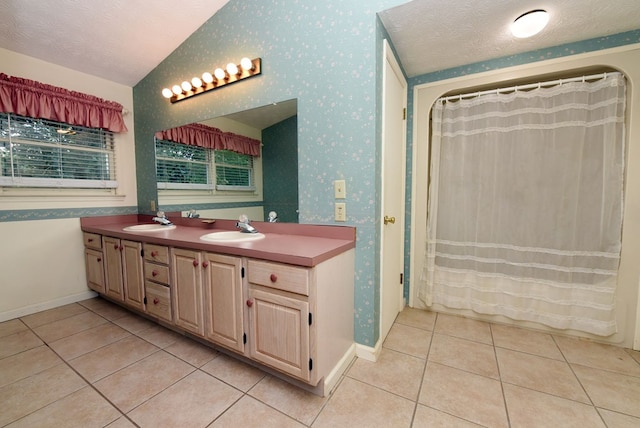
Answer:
(44, 153)
(179, 166)
(234, 171)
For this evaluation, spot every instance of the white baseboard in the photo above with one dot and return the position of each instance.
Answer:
(32, 309)
(331, 380)
(367, 352)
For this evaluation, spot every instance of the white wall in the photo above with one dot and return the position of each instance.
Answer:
(41, 261)
(625, 59)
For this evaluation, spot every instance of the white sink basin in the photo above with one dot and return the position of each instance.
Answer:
(231, 236)
(148, 228)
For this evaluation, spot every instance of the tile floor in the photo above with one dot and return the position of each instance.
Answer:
(93, 364)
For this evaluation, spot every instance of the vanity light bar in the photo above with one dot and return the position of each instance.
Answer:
(220, 77)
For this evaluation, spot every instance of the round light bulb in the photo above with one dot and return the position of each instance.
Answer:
(207, 77)
(246, 64)
(196, 82)
(176, 89)
(166, 92)
(219, 73)
(530, 23)
(186, 86)
(232, 69)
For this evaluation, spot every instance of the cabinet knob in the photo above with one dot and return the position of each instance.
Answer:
(90, 240)
(273, 277)
(121, 248)
(154, 254)
(115, 246)
(156, 300)
(99, 259)
(205, 264)
(195, 263)
(154, 273)
(249, 302)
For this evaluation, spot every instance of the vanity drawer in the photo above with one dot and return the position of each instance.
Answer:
(156, 253)
(92, 240)
(158, 300)
(279, 276)
(156, 272)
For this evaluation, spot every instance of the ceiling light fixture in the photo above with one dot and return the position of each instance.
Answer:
(530, 23)
(221, 77)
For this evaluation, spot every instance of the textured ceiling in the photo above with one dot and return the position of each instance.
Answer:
(433, 35)
(123, 40)
(118, 40)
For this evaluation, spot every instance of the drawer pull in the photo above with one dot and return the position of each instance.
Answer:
(273, 277)
(90, 240)
(154, 254)
(195, 263)
(154, 273)
(99, 259)
(249, 302)
(205, 264)
(115, 246)
(156, 300)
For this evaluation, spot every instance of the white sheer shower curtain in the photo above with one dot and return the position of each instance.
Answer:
(525, 204)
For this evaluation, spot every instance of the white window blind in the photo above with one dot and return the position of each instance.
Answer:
(234, 171)
(44, 153)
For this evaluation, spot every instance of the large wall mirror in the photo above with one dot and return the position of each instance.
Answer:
(275, 171)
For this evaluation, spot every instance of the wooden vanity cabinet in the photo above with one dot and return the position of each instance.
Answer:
(94, 261)
(223, 300)
(186, 284)
(156, 281)
(124, 271)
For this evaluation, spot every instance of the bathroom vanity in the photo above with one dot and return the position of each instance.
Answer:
(283, 301)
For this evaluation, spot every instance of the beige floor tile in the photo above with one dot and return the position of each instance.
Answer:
(51, 315)
(10, 327)
(27, 363)
(159, 336)
(234, 372)
(83, 408)
(67, 326)
(105, 308)
(409, 340)
(419, 318)
(463, 354)
(356, 404)
(529, 408)
(109, 359)
(191, 351)
(34, 392)
(426, 417)
(134, 323)
(540, 374)
(194, 401)
(466, 395)
(121, 422)
(597, 355)
(618, 420)
(393, 371)
(523, 340)
(18, 342)
(89, 340)
(464, 328)
(140, 381)
(295, 402)
(250, 413)
(634, 354)
(612, 391)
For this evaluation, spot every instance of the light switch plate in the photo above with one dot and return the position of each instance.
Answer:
(341, 211)
(340, 189)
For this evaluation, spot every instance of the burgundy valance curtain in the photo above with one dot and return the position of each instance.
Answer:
(209, 137)
(29, 98)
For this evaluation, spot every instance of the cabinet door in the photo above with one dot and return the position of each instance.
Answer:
(95, 270)
(132, 274)
(279, 335)
(223, 300)
(114, 286)
(187, 289)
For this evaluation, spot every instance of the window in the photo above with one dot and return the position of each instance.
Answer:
(181, 166)
(44, 153)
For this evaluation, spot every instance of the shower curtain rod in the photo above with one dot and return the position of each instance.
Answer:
(527, 86)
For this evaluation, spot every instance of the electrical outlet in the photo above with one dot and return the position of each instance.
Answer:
(340, 189)
(341, 211)
(153, 205)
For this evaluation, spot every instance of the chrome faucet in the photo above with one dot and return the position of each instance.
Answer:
(162, 219)
(244, 226)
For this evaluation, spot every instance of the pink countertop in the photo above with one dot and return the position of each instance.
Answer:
(296, 244)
